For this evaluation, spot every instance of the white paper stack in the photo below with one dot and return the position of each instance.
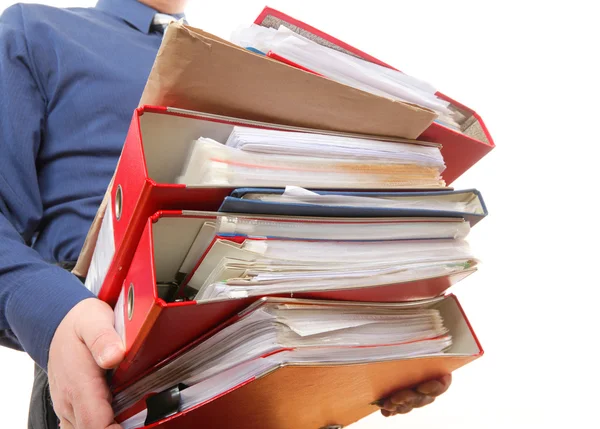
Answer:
(352, 230)
(258, 157)
(258, 267)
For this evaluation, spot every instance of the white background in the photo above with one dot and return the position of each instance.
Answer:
(530, 69)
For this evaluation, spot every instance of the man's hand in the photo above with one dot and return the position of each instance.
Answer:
(405, 400)
(84, 346)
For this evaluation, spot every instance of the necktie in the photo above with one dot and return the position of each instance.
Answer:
(161, 21)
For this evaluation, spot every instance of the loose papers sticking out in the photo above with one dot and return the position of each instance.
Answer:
(344, 68)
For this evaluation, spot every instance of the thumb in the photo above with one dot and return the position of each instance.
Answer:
(96, 329)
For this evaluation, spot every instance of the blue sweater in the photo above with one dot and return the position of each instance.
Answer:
(69, 82)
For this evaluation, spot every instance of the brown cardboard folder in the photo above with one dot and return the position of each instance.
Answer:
(198, 71)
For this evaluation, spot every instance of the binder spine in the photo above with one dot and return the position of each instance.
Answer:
(129, 193)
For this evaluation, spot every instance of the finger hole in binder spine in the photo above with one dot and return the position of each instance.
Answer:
(119, 202)
(130, 302)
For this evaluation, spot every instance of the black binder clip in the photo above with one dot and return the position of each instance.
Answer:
(164, 404)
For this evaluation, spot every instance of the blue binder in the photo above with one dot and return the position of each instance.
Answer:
(236, 203)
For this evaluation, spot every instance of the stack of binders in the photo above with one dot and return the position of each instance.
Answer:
(277, 243)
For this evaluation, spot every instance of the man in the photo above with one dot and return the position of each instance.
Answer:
(69, 82)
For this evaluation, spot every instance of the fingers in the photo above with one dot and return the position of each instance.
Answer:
(98, 333)
(435, 387)
(400, 409)
(407, 396)
(87, 407)
(80, 394)
(65, 424)
(62, 407)
(91, 405)
(406, 400)
(83, 401)
(423, 400)
(410, 398)
(94, 413)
